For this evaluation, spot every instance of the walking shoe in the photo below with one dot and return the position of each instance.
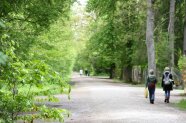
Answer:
(165, 100)
(152, 102)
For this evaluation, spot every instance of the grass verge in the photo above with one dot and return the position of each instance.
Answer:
(182, 104)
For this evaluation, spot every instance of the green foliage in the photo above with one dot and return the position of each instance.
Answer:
(56, 46)
(45, 113)
(3, 58)
(34, 74)
(115, 36)
(182, 63)
(29, 30)
(163, 51)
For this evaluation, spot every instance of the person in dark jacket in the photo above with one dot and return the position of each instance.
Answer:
(151, 84)
(167, 83)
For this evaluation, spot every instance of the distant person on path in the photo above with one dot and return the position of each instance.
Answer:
(81, 72)
(86, 72)
(151, 85)
(167, 83)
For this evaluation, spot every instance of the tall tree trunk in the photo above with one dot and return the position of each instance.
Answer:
(149, 35)
(127, 74)
(171, 30)
(184, 42)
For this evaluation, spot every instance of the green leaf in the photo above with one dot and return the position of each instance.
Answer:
(2, 25)
(3, 58)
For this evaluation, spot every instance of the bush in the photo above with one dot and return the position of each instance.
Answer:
(182, 63)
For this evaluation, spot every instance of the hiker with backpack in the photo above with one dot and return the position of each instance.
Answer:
(167, 83)
(151, 85)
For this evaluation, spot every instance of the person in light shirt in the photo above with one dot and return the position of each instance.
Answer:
(81, 72)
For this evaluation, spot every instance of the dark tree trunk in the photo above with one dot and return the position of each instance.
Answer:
(127, 74)
(121, 74)
(112, 70)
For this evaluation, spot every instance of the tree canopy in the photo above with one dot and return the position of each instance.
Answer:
(37, 57)
(117, 33)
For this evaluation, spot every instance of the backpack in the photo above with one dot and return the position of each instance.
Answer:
(152, 79)
(167, 80)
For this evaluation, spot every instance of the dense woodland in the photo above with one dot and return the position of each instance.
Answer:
(37, 57)
(42, 41)
(130, 33)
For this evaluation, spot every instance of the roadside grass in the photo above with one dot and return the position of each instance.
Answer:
(182, 104)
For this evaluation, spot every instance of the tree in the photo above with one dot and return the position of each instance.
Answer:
(119, 32)
(117, 36)
(184, 42)
(150, 35)
(171, 30)
(105, 38)
(182, 60)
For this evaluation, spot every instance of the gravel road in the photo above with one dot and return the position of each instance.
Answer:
(98, 100)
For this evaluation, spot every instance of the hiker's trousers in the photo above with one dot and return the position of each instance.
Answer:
(151, 93)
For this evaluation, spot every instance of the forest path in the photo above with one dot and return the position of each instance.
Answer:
(98, 100)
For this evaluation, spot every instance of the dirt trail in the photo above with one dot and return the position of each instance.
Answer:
(96, 100)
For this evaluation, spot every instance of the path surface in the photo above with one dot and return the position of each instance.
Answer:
(95, 100)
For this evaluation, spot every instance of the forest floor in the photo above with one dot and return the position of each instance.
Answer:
(100, 100)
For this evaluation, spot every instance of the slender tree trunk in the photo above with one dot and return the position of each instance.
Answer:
(184, 42)
(171, 30)
(149, 35)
